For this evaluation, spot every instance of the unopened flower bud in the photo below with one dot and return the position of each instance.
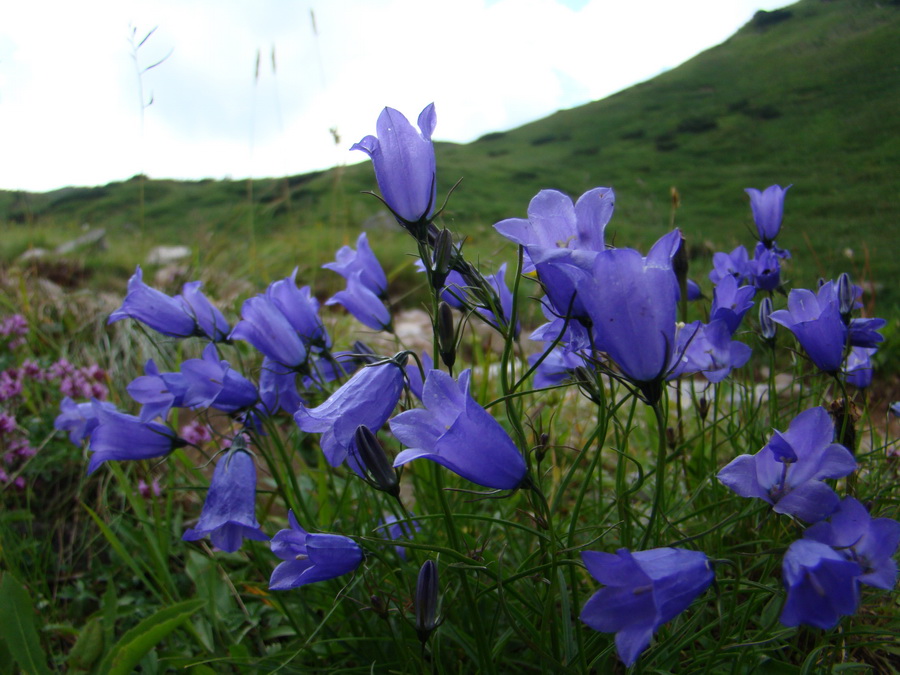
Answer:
(427, 600)
(443, 257)
(378, 606)
(541, 450)
(845, 296)
(446, 334)
(703, 407)
(766, 325)
(583, 376)
(382, 476)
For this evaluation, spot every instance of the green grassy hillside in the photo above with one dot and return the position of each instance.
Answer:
(805, 95)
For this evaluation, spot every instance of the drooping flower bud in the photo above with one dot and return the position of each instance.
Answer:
(381, 475)
(378, 606)
(427, 600)
(543, 445)
(446, 334)
(703, 407)
(845, 296)
(766, 325)
(443, 257)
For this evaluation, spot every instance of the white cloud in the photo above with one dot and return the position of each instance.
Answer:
(70, 112)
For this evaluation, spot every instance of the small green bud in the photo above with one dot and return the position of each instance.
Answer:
(446, 334)
(427, 600)
(381, 474)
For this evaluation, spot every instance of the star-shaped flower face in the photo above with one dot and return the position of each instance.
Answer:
(789, 472)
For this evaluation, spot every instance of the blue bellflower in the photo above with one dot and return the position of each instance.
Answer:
(266, 327)
(731, 302)
(707, 349)
(789, 472)
(768, 211)
(815, 320)
(459, 434)
(368, 399)
(561, 241)
(498, 281)
(213, 383)
(863, 332)
(575, 337)
(278, 388)
(558, 366)
(170, 316)
(858, 367)
(555, 223)
(642, 591)
(735, 264)
(206, 315)
(765, 269)
(631, 303)
(869, 542)
(309, 558)
(301, 309)
(404, 164)
(79, 419)
(119, 436)
(157, 392)
(414, 378)
(229, 512)
(363, 304)
(821, 585)
(348, 262)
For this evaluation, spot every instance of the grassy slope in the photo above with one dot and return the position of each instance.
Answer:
(810, 100)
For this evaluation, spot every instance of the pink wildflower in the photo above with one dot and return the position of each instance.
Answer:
(147, 491)
(7, 423)
(196, 433)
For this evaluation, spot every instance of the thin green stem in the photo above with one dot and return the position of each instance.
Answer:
(660, 493)
(484, 650)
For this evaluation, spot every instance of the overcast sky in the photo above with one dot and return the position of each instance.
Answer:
(70, 94)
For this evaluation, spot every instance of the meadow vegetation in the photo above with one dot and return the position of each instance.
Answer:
(592, 499)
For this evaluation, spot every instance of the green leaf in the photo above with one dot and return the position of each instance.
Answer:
(109, 608)
(6, 659)
(17, 626)
(132, 646)
(89, 646)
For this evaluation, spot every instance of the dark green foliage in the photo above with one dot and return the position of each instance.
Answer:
(697, 125)
(493, 136)
(763, 19)
(550, 138)
(666, 142)
(632, 135)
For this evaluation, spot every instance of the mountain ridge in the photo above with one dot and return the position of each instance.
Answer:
(805, 95)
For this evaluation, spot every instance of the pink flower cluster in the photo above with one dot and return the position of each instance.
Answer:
(10, 383)
(87, 382)
(196, 433)
(16, 450)
(149, 490)
(16, 326)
